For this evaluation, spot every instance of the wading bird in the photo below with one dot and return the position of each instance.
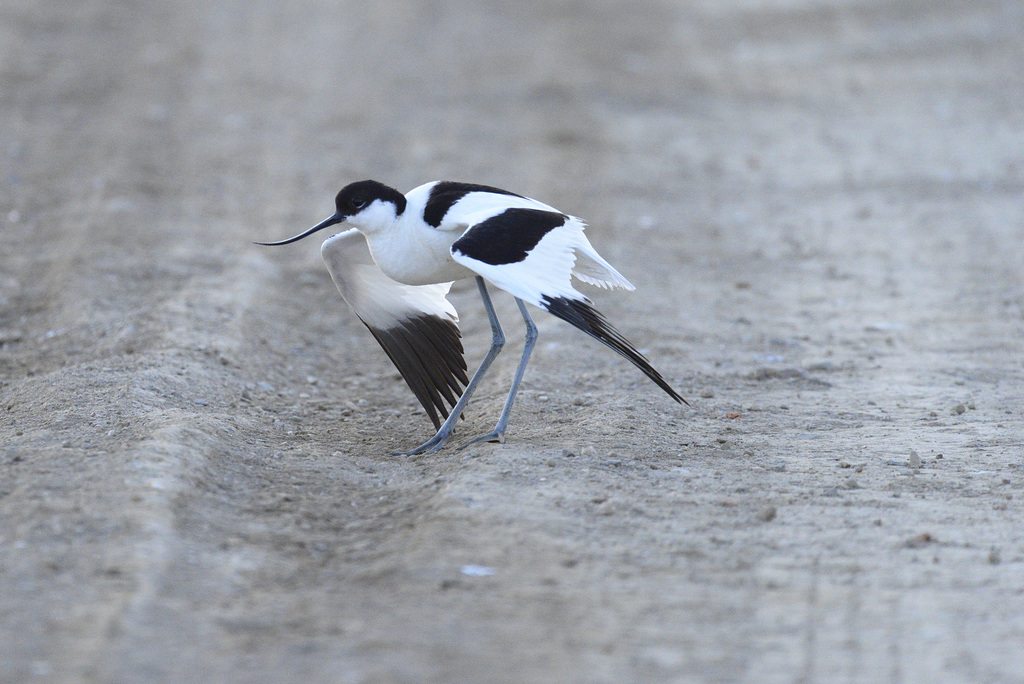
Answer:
(440, 232)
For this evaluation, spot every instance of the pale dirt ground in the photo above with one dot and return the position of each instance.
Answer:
(820, 204)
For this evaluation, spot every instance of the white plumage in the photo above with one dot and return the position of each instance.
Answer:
(417, 244)
(379, 301)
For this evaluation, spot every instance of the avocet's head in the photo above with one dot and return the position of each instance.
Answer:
(367, 205)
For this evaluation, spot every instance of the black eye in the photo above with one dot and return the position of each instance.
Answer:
(357, 202)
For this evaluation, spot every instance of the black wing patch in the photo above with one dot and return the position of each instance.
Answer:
(445, 194)
(427, 351)
(508, 237)
(579, 313)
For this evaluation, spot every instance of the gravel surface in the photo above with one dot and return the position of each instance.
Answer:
(820, 204)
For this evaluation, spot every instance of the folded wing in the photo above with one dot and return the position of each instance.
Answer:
(533, 253)
(416, 325)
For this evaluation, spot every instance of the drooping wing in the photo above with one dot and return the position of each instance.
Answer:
(531, 253)
(416, 325)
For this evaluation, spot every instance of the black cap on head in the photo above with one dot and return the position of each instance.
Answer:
(352, 199)
(355, 197)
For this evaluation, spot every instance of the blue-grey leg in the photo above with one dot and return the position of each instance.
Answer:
(437, 442)
(498, 435)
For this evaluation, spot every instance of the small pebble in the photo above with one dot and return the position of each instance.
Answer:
(568, 453)
(543, 397)
(707, 394)
(957, 410)
(919, 540)
(915, 460)
(767, 514)
(994, 557)
(477, 570)
(851, 484)
(588, 452)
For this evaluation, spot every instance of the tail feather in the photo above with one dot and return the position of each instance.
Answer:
(581, 314)
(590, 267)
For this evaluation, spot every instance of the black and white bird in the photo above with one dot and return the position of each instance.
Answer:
(440, 232)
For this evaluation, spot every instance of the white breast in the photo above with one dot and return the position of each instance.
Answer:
(416, 254)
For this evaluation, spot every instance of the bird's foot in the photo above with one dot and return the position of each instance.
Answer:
(495, 436)
(432, 445)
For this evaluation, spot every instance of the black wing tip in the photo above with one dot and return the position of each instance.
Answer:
(427, 351)
(679, 399)
(579, 313)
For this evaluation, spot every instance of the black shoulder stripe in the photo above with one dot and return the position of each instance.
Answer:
(579, 313)
(445, 194)
(508, 237)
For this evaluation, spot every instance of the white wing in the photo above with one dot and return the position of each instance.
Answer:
(465, 207)
(593, 269)
(531, 253)
(416, 325)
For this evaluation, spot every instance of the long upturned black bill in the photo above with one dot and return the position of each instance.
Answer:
(320, 226)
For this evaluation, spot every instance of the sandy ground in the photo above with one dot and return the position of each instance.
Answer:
(821, 206)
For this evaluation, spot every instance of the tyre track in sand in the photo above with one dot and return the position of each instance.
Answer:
(818, 203)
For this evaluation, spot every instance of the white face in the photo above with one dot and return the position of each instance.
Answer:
(378, 215)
